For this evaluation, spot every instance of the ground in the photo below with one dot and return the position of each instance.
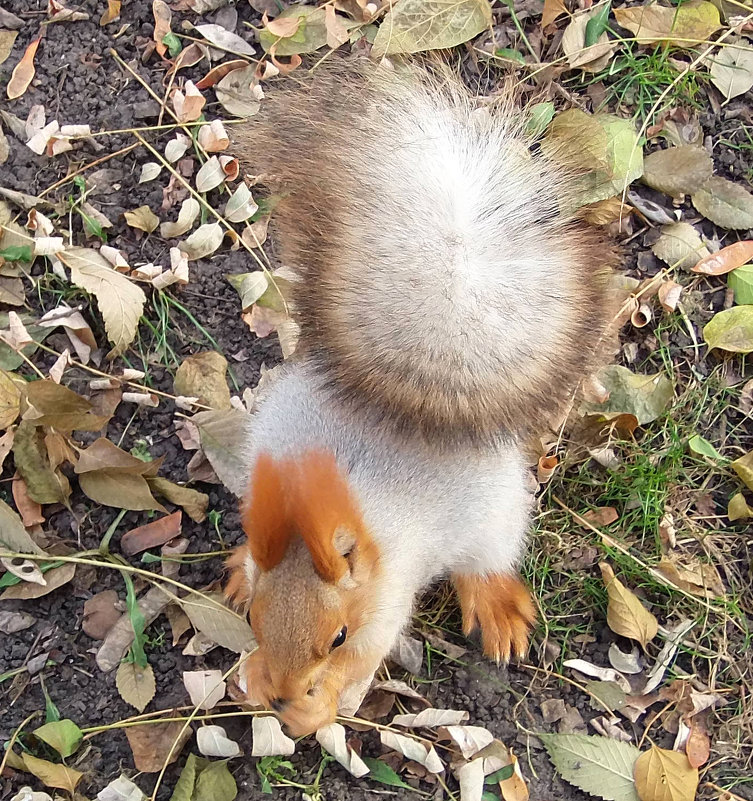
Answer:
(658, 483)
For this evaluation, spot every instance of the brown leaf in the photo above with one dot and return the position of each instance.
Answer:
(55, 578)
(142, 218)
(43, 482)
(24, 71)
(103, 454)
(162, 18)
(60, 408)
(10, 399)
(514, 788)
(158, 532)
(100, 614)
(7, 39)
(202, 376)
(217, 73)
(738, 508)
(193, 502)
(698, 745)
(112, 13)
(662, 775)
(31, 511)
(601, 516)
(150, 745)
(552, 10)
(118, 489)
(135, 684)
(626, 615)
(695, 577)
(726, 259)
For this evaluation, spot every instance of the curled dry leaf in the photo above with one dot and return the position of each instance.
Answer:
(695, 577)
(23, 73)
(738, 508)
(269, 738)
(675, 636)
(158, 532)
(214, 742)
(429, 718)
(593, 58)
(120, 636)
(193, 502)
(602, 673)
(469, 739)
(514, 788)
(662, 775)
(122, 788)
(176, 147)
(112, 13)
(213, 137)
(625, 663)
(626, 615)
(332, 739)
(205, 687)
(669, 295)
(149, 171)
(135, 684)
(412, 749)
(24, 569)
(727, 259)
(188, 105)
(470, 778)
(189, 211)
(162, 19)
(220, 71)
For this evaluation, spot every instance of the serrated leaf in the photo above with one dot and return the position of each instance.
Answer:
(63, 735)
(685, 25)
(414, 26)
(598, 765)
(732, 70)
(209, 615)
(740, 281)
(677, 170)
(702, 447)
(731, 330)
(626, 615)
(725, 203)
(662, 775)
(135, 684)
(53, 775)
(680, 245)
(644, 396)
(120, 300)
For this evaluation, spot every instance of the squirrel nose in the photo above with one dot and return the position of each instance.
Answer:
(278, 704)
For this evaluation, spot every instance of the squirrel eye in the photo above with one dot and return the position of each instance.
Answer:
(340, 639)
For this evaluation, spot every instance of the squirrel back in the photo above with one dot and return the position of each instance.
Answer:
(440, 289)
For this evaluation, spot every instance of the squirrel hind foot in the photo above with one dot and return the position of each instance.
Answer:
(502, 606)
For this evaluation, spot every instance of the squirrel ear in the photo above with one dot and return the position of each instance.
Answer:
(244, 572)
(326, 515)
(264, 517)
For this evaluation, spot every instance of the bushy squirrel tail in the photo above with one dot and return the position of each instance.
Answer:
(441, 289)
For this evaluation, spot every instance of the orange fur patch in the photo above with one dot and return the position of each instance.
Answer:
(237, 588)
(501, 604)
(307, 497)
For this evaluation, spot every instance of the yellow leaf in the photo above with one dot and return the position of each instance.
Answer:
(10, 399)
(120, 300)
(514, 788)
(23, 72)
(626, 615)
(142, 218)
(683, 25)
(52, 775)
(417, 25)
(662, 775)
(738, 508)
(744, 469)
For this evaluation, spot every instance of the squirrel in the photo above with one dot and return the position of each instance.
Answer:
(448, 306)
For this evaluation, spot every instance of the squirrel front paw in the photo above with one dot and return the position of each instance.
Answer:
(502, 606)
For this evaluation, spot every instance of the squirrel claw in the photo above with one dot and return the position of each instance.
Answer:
(502, 606)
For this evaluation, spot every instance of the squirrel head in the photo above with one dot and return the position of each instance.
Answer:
(306, 578)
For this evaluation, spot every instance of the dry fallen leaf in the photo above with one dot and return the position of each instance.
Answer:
(727, 259)
(162, 19)
(662, 775)
(214, 742)
(203, 376)
(430, 718)
(157, 532)
(413, 750)
(691, 23)
(269, 738)
(225, 39)
(209, 615)
(23, 72)
(135, 684)
(188, 104)
(626, 615)
(205, 687)
(151, 744)
(696, 577)
(332, 739)
(52, 774)
(101, 613)
(514, 788)
(142, 218)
